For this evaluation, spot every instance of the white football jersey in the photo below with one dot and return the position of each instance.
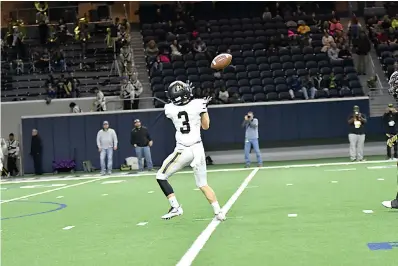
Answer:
(187, 120)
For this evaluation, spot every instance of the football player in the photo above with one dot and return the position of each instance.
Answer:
(393, 204)
(188, 116)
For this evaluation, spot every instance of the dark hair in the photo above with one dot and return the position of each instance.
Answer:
(11, 134)
(72, 104)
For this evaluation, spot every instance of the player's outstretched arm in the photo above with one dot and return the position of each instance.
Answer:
(205, 121)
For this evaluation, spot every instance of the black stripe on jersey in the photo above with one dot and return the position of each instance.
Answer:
(171, 161)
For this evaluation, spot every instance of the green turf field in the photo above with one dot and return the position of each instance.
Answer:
(97, 223)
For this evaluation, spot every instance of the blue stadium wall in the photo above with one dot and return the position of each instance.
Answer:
(74, 136)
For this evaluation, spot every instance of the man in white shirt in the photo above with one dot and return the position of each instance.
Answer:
(99, 102)
(106, 143)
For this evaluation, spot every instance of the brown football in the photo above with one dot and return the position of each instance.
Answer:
(221, 61)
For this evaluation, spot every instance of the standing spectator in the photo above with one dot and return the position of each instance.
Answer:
(106, 143)
(36, 150)
(362, 48)
(73, 85)
(390, 119)
(251, 138)
(354, 28)
(137, 90)
(142, 142)
(127, 93)
(356, 136)
(13, 153)
(74, 108)
(99, 102)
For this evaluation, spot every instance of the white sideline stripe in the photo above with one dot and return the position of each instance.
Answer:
(96, 176)
(68, 227)
(60, 197)
(209, 219)
(199, 243)
(367, 211)
(381, 167)
(380, 179)
(340, 170)
(48, 191)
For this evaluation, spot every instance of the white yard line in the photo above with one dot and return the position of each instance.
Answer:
(96, 176)
(50, 190)
(199, 243)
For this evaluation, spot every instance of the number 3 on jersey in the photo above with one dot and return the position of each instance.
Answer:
(186, 128)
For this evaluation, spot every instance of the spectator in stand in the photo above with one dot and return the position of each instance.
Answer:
(73, 84)
(59, 59)
(386, 23)
(340, 39)
(327, 40)
(333, 53)
(164, 57)
(51, 92)
(235, 98)
(296, 86)
(354, 28)
(308, 86)
(62, 88)
(175, 49)
(151, 50)
(332, 81)
(343, 84)
(157, 66)
(99, 104)
(392, 36)
(74, 108)
(137, 91)
(335, 26)
(303, 28)
(127, 93)
(62, 31)
(315, 22)
(199, 46)
(267, 14)
(362, 48)
(223, 95)
(344, 53)
(394, 23)
(43, 63)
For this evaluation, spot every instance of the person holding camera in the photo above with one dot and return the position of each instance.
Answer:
(390, 124)
(251, 138)
(356, 136)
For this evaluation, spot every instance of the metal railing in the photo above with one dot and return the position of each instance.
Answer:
(54, 13)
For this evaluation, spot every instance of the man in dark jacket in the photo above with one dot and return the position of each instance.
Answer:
(362, 48)
(390, 119)
(36, 152)
(356, 136)
(141, 140)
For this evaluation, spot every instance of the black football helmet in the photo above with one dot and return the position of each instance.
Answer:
(179, 93)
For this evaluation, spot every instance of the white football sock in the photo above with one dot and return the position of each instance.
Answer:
(216, 207)
(173, 202)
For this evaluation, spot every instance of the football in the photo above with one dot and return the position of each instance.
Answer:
(221, 61)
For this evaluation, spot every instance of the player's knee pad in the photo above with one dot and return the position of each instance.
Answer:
(161, 176)
(165, 186)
